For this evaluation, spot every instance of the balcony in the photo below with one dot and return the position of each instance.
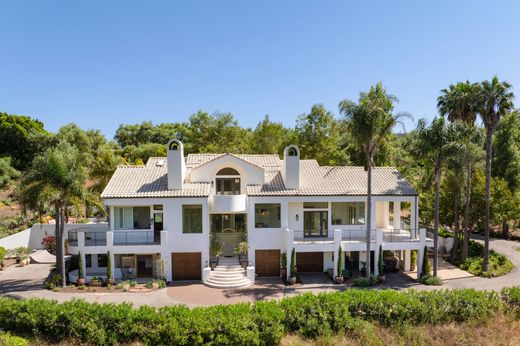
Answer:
(400, 235)
(308, 237)
(223, 204)
(357, 236)
(137, 238)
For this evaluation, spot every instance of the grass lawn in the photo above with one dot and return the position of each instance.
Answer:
(499, 330)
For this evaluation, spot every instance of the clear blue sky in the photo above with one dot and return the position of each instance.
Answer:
(103, 63)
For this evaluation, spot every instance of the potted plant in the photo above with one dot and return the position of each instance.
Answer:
(381, 277)
(292, 275)
(339, 276)
(110, 279)
(80, 281)
(283, 265)
(215, 252)
(241, 250)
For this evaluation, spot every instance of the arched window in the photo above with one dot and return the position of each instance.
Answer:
(292, 151)
(174, 146)
(228, 171)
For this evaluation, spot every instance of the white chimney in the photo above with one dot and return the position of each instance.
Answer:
(176, 164)
(291, 167)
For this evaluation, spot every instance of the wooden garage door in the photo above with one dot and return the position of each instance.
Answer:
(309, 262)
(186, 265)
(267, 262)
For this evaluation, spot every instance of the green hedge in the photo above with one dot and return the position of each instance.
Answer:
(261, 323)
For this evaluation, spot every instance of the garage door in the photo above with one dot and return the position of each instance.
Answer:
(309, 262)
(267, 262)
(186, 265)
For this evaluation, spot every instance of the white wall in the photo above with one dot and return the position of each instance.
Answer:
(16, 240)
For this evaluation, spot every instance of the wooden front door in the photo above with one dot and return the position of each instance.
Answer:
(186, 266)
(309, 262)
(267, 263)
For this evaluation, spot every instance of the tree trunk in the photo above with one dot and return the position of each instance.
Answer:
(369, 214)
(505, 230)
(436, 218)
(455, 250)
(489, 154)
(465, 244)
(60, 256)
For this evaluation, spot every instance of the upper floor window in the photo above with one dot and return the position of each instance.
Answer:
(132, 218)
(267, 215)
(348, 213)
(192, 218)
(228, 182)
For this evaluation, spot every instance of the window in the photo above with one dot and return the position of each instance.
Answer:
(132, 218)
(158, 207)
(192, 219)
(228, 186)
(102, 260)
(88, 261)
(228, 171)
(348, 213)
(316, 205)
(267, 216)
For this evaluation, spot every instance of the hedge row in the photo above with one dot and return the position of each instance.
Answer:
(261, 323)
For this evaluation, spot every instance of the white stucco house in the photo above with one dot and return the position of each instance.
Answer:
(167, 215)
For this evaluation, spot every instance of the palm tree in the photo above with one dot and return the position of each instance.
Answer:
(495, 100)
(55, 179)
(459, 104)
(434, 143)
(370, 122)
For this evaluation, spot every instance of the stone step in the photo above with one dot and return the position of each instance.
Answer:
(237, 284)
(229, 268)
(215, 274)
(230, 281)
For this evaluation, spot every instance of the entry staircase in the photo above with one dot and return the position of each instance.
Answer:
(228, 274)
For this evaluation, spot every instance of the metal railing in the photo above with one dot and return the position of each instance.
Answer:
(95, 238)
(400, 235)
(136, 238)
(357, 235)
(310, 236)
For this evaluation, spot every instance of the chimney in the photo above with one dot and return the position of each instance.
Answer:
(176, 164)
(291, 167)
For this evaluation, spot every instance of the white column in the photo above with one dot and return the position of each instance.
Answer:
(165, 256)
(407, 258)
(397, 214)
(251, 273)
(420, 254)
(337, 244)
(81, 241)
(413, 214)
(112, 264)
(110, 239)
(83, 262)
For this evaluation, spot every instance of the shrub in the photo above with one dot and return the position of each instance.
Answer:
(511, 297)
(155, 283)
(52, 282)
(2, 254)
(21, 252)
(261, 323)
(49, 243)
(365, 282)
(7, 339)
(80, 266)
(498, 263)
(413, 258)
(109, 266)
(431, 280)
(340, 261)
(293, 263)
(426, 265)
(380, 261)
(283, 260)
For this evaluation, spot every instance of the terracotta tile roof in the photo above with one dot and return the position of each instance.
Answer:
(315, 180)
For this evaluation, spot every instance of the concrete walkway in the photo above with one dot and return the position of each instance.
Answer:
(26, 282)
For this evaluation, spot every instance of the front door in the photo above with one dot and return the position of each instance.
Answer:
(228, 230)
(144, 266)
(157, 226)
(315, 223)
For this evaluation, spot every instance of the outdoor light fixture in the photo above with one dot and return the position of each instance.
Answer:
(297, 217)
(206, 263)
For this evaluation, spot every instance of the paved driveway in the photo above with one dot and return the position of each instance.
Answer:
(27, 282)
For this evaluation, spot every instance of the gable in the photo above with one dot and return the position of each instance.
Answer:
(250, 173)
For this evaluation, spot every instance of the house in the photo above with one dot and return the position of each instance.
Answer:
(165, 217)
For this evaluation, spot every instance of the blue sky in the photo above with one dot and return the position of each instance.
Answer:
(103, 63)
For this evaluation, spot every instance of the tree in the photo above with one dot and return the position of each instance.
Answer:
(370, 122)
(7, 173)
(54, 180)
(433, 145)
(506, 161)
(460, 104)
(495, 100)
(317, 135)
(426, 269)
(268, 137)
(21, 138)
